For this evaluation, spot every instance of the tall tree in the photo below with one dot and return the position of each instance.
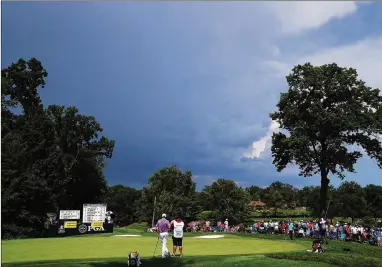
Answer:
(352, 200)
(122, 201)
(373, 197)
(51, 158)
(79, 154)
(326, 110)
(25, 196)
(287, 191)
(226, 200)
(175, 195)
(274, 199)
(254, 192)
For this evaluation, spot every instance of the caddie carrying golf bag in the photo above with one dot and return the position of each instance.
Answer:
(134, 260)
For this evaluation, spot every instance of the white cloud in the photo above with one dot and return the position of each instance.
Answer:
(365, 56)
(296, 17)
(263, 145)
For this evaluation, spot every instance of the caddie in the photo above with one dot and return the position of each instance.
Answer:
(177, 236)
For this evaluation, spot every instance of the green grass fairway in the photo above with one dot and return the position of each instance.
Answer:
(106, 247)
(244, 250)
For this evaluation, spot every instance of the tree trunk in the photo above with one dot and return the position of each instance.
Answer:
(323, 194)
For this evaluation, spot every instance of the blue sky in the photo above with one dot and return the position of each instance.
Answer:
(190, 83)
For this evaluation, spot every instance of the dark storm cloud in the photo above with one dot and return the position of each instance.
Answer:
(173, 83)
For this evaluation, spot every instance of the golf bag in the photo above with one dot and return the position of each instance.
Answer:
(134, 260)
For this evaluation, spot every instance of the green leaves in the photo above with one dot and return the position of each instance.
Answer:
(373, 197)
(254, 192)
(52, 158)
(122, 200)
(175, 195)
(327, 114)
(21, 82)
(325, 110)
(226, 200)
(351, 198)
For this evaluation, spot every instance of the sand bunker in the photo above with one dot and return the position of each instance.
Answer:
(127, 235)
(210, 236)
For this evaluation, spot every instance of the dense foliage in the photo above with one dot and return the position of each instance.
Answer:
(173, 192)
(226, 200)
(330, 119)
(52, 157)
(223, 199)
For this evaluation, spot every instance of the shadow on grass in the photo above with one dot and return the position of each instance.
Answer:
(211, 261)
(116, 262)
(156, 262)
(338, 253)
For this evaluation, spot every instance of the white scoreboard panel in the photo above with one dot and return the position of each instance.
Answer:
(93, 212)
(70, 214)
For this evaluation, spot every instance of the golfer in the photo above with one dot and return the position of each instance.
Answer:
(163, 225)
(177, 236)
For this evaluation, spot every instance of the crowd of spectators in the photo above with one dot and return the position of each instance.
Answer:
(323, 229)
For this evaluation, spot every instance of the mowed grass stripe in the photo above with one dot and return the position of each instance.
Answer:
(108, 247)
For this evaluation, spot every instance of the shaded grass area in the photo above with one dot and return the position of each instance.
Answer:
(109, 246)
(339, 254)
(206, 261)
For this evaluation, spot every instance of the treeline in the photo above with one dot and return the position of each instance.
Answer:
(176, 195)
(174, 192)
(52, 157)
(349, 200)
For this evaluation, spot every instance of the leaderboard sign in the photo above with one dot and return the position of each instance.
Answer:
(93, 212)
(94, 220)
(70, 214)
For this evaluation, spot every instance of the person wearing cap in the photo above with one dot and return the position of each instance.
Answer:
(226, 225)
(162, 227)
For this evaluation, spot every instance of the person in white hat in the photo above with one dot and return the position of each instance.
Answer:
(226, 225)
(163, 226)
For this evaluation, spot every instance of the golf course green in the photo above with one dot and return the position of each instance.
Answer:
(107, 250)
(103, 248)
(118, 246)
